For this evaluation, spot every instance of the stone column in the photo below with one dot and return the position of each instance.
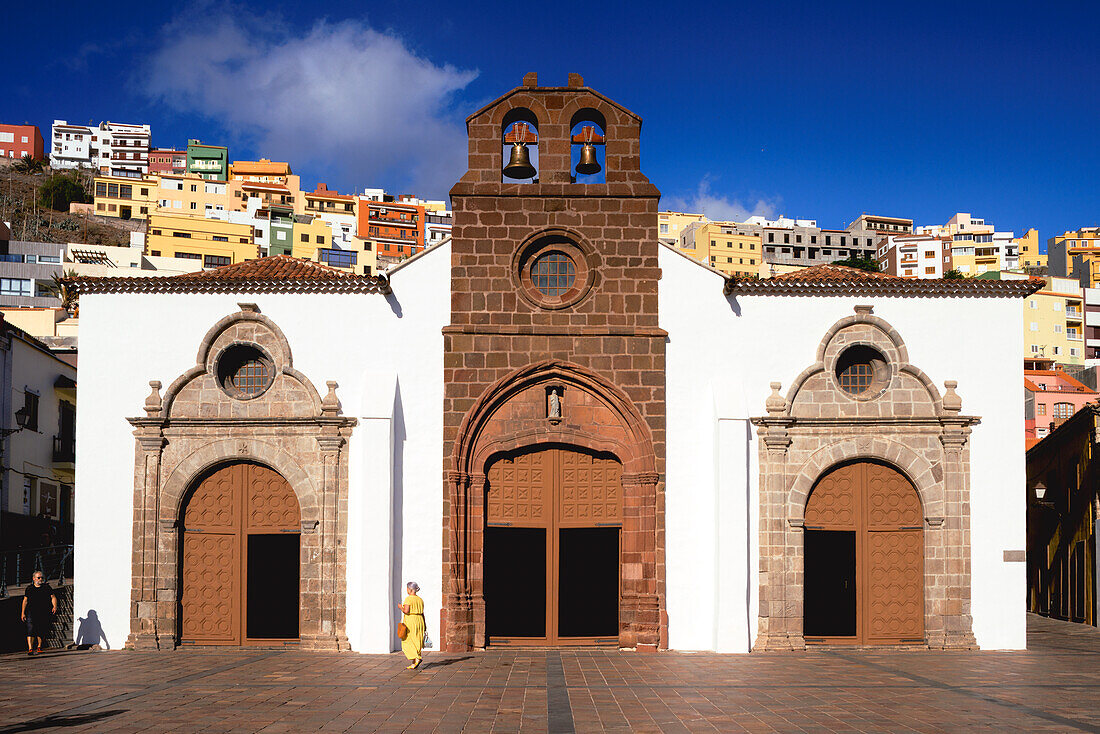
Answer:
(457, 625)
(329, 632)
(146, 613)
(640, 622)
(958, 625)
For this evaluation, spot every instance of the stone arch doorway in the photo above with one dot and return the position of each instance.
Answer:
(552, 548)
(240, 558)
(864, 558)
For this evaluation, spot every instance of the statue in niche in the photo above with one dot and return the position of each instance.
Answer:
(553, 408)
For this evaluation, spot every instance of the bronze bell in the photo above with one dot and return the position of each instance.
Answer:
(519, 164)
(588, 164)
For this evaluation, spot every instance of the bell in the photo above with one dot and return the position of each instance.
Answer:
(519, 164)
(588, 164)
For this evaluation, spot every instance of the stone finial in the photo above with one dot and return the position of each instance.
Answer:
(865, 310)
(531, 79)
(153, 404)
(575, 80)
(952, 403)
(249, 307)
(330, 404)
(776, 404)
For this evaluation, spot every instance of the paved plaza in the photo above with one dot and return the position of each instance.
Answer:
(1051, 687)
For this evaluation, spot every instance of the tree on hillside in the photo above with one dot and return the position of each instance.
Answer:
(62, 189)
(27, 164)
(863, 263)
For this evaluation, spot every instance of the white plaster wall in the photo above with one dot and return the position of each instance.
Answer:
(387, 355)
(723, 352)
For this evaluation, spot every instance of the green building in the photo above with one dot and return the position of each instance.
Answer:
(281, 239)
(209, 161)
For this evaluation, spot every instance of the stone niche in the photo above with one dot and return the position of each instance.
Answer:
(270, 414)
(893, 414)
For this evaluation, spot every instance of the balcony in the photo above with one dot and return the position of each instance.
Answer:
(1073, 314)
(64, 450)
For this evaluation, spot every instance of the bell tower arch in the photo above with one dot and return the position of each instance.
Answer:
(554, 289)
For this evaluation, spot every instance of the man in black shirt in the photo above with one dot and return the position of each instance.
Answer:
(39, 606)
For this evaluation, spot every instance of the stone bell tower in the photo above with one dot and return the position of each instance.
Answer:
(553, 339)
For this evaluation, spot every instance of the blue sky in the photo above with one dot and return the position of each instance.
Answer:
(815, 110)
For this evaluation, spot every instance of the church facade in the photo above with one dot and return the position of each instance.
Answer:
(565, 432)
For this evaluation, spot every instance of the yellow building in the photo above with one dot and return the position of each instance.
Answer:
(261, 171)
(1054, 323)
(125, 198)
(191, 195)
(310, 235)
(671, 224)
(214, 241)
(725, 246)
(1028, 245)
(313, 240)
(1076, 254)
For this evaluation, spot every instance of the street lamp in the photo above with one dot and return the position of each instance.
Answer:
(1040, 491)
(22, 418)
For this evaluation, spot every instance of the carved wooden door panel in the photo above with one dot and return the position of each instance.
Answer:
(555, 489)
(210, 597)
(229, 505)
(882, 509)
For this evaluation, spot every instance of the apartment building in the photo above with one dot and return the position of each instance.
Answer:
(1052, 397)
(194, 195)
(960, 222)
(1029, 257)
(800, 242)
(73, 146)
(914, 255)
(17, 141)
(337, 210)
(276, 222)
(975, 253)
(437, 226)
(123, 149)
(214, 242)
(167, 161)
(261, 171)
(125, 198)
(1092, 325)
(210, 162)
(1054, 322)
(27, 271)
(111, 261)
(1076, 254)
(671, 224)
(883, 225)
(395, 227)
(726, 246)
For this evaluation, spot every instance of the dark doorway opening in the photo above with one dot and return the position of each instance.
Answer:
(272, 592)
(830, 581)
(588, 582)
(515, 582)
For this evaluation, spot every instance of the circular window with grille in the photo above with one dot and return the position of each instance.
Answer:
(553, 271)
(244, 371)
(862, 372)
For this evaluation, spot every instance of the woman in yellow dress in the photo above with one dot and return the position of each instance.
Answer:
(413, 611)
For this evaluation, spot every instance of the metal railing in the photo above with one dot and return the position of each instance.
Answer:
(17, 566)
(64, 449)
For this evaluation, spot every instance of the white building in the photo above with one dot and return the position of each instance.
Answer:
(124, 149)
(558, 435)
(73, 146)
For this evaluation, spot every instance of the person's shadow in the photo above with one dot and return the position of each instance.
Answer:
(89, 631)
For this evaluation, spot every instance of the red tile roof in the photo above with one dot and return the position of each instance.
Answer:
(276, 274)
(841, 280)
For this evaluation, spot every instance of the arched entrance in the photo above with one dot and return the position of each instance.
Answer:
(552, 548)
(864, 558)
(239, 573)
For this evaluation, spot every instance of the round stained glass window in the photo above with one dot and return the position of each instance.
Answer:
(244, 371)
(553, 274)
(856, 378)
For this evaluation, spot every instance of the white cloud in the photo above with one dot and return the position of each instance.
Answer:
(338, 99)
(720, 208)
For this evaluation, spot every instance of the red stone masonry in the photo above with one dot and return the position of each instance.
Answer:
(605, 346)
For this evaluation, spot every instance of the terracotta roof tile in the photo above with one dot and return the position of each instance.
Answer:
(275, 274)
(831, 280)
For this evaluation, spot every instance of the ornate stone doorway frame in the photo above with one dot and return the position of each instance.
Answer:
(910, 426)
(196, 427)
(594, 415)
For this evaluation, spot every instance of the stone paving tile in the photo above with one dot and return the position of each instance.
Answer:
(1052, 687)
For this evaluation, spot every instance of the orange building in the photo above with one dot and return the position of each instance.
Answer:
(17, 141)
(396, 227)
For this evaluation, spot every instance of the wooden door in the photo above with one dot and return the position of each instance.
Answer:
(556, 489)
(881, 509)
(230, 504)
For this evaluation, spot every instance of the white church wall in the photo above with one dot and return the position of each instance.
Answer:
(723, 352)
(386, 353)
